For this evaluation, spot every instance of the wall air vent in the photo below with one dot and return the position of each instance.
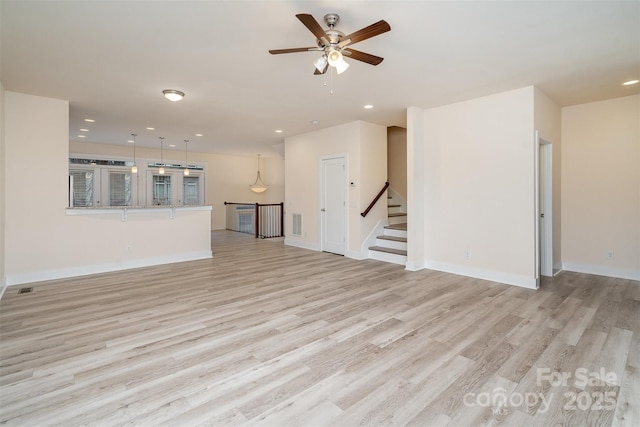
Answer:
(297, 224)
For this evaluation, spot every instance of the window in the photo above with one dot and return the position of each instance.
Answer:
(82, 193)
(109, 182)
(191, 190)
(161, 190)
(120, 189)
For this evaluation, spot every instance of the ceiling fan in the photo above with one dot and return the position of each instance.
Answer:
(333, 43)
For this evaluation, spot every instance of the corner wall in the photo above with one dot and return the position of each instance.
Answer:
(547, 121)
(601, 187)
(479, 204)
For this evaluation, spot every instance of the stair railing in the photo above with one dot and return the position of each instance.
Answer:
(375, 199)
(261, 220)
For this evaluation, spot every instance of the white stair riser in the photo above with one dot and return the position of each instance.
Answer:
(395, 233)
(397, 219)
(391, 244)
(387, 257)
(397, 209)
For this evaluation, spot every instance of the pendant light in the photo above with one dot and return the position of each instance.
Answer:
(161, 170)
(186, 164)
(134, 168)
(258, 186)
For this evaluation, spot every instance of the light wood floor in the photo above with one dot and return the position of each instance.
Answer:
(265, 334)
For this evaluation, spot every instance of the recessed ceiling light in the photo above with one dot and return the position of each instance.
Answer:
(84, 130)
(131, 141)
(81, 136)
(631, 82)
(368, 107)
(198, 134)
(314, 122)
(278, 130)
(150, 128)
(173, 95)
(172, 145)
(89, 120)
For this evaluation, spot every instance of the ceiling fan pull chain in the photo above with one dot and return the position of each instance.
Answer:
(331, 80)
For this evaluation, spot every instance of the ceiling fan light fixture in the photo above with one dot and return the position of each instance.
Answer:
(342, 66)
(320, 63)
(173, 95)
(334, 57)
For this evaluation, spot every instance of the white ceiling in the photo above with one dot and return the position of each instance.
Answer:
(112, 59)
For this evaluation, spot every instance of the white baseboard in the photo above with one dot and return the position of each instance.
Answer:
(478, 273)
(3, 286)
(601, 271)
(355, 255)
(63, 273)
(414, 266)
(303, 245)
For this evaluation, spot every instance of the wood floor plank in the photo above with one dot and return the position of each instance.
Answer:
(268, 334)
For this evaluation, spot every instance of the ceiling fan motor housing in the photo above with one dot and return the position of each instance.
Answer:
(331, 19)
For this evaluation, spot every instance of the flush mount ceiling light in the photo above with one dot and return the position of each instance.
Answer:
(258, 186)
(173, 95)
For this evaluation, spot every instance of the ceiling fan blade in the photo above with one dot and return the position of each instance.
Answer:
(296, 49)
(310, 22)
(317, 73)
(371, 31)
(362, 56)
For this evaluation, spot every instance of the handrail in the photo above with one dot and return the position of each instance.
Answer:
(273, 226)
(375, 200)
(253, 204)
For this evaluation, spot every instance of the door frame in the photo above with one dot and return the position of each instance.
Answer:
(321, 188)
(543, 206)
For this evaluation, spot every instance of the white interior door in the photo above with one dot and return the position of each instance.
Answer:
(545, 219)
(333, 205)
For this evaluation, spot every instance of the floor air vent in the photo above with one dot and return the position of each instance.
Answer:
(25, 290)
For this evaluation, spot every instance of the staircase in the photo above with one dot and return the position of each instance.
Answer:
(391, 246)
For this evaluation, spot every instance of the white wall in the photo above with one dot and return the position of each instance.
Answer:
(479, 205)
(364, 144)
(397, 159)
(43, 242)
(227, 177)
(601, 187)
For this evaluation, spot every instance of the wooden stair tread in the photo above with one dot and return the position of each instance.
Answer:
(398, 214)
(394, 206)
(402, 226)
(392, 238)
(388, 250)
